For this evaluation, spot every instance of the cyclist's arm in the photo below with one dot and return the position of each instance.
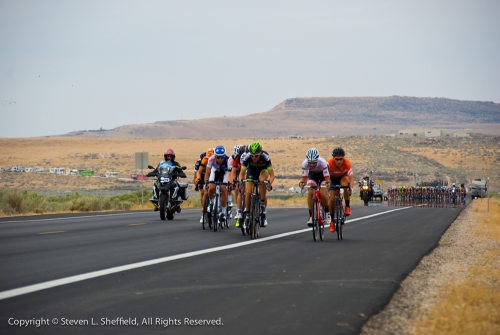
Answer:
(271, 175)
(242, 172)
(207, 174)
(231, 176)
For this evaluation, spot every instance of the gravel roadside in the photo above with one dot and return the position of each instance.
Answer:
(458, 249)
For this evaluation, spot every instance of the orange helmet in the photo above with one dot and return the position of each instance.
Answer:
(210, 152)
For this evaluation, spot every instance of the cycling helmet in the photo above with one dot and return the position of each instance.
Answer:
(366, 177)
(255, 148)
(220, 150)
(203, 154)
(236, 149)
(210, 152)
(242, 149)
(312, 155)
(169, 152)
(338, 152)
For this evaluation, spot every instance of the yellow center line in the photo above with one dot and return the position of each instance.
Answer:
(52, 232)
(137, 224)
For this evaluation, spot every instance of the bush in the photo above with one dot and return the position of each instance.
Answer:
(13, 202)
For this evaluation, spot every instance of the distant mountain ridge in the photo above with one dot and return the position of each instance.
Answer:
(328, 116)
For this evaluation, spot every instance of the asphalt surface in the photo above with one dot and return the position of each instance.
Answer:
(130, 272)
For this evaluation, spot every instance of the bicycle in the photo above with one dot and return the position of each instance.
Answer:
(216, 209)
(207, 216)
(245, 230)
(318, 214)
(255, 216)
(339, 216)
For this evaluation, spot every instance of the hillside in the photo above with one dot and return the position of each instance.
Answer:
(317, 117)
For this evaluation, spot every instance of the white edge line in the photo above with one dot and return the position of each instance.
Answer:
(73, 279)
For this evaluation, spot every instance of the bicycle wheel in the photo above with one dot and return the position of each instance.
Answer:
(206, 215)
(243, 216)
(322, 223)
(340, 228)
(254, 219)
(315, 219)
(338, 217)
(214, 210)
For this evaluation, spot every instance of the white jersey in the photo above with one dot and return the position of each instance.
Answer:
(321, 167)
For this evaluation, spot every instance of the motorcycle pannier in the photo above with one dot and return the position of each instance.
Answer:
(183, 191)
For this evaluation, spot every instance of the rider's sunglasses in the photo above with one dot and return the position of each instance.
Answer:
(219, 157)
(255, 156)
(312, 163)
(339, 159)
(168, 156)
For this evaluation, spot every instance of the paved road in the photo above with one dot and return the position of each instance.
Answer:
(111, 269)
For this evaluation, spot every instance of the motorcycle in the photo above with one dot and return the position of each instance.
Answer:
(171, 193)
(365, 192)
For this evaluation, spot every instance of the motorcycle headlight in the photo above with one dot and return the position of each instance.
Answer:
(365, 188)
(164, 179)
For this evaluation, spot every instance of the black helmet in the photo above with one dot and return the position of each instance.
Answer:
(202, 155)
(242, 149)
(338, 152)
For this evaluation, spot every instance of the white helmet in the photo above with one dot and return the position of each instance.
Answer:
(312, 155)
(236, 149)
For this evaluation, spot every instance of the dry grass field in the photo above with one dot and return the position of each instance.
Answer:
(393, 160)
(471, 305)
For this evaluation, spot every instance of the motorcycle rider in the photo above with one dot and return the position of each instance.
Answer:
(169, 157)
(370, 183)
(217, 170)
(340, 169)
(314, 170)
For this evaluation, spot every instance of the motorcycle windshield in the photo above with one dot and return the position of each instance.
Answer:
(165, 168)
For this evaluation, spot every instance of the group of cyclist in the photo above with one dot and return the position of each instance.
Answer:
(451, 193)
(250, 163)
(317, 172)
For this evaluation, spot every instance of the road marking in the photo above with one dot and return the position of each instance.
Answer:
(137, 224)
(72, 217)
(73, 279)
(52, 232)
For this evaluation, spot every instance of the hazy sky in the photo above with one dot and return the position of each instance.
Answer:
(72, 65)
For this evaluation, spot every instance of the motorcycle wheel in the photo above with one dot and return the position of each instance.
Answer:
(163, 205)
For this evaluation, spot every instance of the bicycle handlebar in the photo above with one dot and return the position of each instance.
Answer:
(315, 187)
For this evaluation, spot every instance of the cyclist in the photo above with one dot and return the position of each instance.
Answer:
(234, 178)
(340, 174)
(256, 164)
(314, 171)
(169, 158)
(217, 170)
(200, 178)
(198, 185)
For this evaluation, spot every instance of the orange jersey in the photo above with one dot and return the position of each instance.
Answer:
(339, 172)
